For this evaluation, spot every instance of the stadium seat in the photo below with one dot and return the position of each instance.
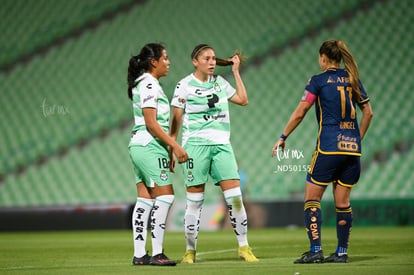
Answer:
(87, 161)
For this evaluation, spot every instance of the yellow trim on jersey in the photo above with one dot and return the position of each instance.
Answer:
(339, 153)
(362, 102)
(320, 124)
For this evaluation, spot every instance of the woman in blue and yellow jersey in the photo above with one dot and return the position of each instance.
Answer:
(148, 149)
(335, 92)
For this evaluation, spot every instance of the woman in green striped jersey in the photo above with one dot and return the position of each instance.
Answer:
(200, 105)
(148, 149)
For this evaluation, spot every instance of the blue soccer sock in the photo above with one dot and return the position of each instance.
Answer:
(343, 229)
(313, 222)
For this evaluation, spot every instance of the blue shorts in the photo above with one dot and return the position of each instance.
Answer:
(341, 169)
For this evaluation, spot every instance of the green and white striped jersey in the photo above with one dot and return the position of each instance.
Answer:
(148, 94)
(206, 118)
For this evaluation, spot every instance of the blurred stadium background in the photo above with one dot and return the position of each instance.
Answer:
(66, 119)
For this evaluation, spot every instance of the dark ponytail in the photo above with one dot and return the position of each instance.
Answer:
(141, 63)
(134, 71)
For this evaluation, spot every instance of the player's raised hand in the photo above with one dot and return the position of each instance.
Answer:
(236, 62)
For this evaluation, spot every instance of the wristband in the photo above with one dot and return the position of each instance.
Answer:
(282, 136)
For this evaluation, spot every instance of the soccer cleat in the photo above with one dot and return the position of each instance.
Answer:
(310, 258)
(144, 260)
(161, 260)
(189, 257)
(245, 253)
(335, 258)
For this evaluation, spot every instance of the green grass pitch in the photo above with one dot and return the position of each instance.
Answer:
(373, 250)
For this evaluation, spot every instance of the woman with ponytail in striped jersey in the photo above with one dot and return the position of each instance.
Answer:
(200, 105)
(148, 149)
